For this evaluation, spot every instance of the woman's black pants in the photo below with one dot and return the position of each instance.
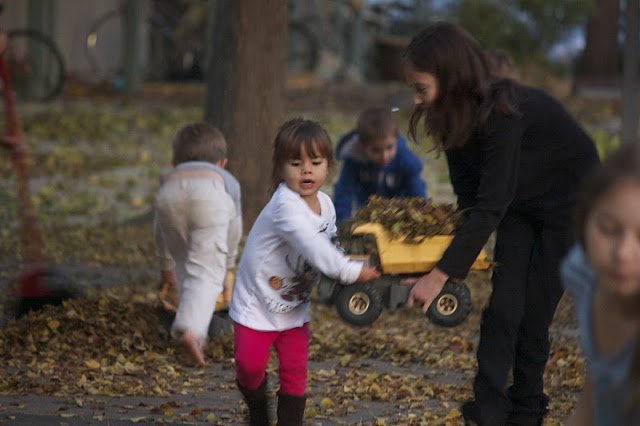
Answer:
(514, 334)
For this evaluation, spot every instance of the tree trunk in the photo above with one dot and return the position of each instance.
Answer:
(245, 90)
(600, 59)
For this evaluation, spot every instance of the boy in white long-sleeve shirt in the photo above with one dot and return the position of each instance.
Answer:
(198, 226)
(287, 248)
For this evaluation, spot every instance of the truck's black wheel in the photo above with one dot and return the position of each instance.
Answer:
(359, 304)
(452, 306)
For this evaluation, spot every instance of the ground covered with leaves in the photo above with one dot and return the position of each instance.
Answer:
(95, 166)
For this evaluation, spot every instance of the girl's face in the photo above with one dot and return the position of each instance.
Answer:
(425, 86)
(612, 239)
(305, 175)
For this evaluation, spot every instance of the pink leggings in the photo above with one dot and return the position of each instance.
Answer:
(251, 351)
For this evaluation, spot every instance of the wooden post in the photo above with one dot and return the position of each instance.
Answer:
(132, 45)
(630, 73)
(41, 17)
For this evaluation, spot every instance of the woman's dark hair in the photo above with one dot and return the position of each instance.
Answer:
(623, 165)
(292, 136)
(467, 92)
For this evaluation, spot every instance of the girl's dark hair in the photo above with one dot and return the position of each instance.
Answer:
(292, 136)
(621, 166)
(467, 92)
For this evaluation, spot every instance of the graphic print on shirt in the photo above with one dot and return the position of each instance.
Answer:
(295, 290)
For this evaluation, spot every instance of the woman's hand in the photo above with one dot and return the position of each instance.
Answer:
(427, 288)
(368, 273)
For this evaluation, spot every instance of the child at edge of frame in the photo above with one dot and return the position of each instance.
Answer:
(198, 226)
(287, 248)
(375, 161)
(602, 275)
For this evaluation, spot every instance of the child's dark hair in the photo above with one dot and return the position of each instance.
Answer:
(199, 142)
(374, 124)
(623, 165)
(467, 92)
(292, 136)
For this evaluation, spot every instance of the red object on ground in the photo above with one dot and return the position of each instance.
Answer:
(28, 283)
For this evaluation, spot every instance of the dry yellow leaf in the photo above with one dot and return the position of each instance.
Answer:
(326, 402)
(92, 364)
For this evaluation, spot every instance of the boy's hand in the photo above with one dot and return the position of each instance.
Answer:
(167, 276)
(368, 273)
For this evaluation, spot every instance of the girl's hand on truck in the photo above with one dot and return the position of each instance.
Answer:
(427, 288)
(368, 273)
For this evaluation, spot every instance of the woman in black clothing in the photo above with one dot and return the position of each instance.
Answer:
(516, 158)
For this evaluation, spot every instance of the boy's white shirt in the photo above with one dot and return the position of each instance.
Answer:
(285, 235)
(196, 237)
(232, 187)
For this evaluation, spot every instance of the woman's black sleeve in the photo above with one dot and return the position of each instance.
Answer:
(496, 189)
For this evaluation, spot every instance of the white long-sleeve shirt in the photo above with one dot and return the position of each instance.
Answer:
(197, 228)
(286, 248)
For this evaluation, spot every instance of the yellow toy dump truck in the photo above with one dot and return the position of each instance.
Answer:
(169, 297)
(361, 303)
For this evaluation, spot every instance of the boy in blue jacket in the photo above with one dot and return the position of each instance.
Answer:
(375, 160)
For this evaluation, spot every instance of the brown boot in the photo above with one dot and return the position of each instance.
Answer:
(290, 409)
(258, 404)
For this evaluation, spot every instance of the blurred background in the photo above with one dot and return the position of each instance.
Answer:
(582, 38)
(102, 85)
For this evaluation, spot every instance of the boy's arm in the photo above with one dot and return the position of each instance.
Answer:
(416, 187)
(233, 240)
(165, 259)
(344, 191)
(412, 167)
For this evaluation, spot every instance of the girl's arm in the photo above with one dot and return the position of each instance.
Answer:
(583, 413)
(291, 221)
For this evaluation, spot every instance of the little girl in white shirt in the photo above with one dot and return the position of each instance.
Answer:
(287, 248)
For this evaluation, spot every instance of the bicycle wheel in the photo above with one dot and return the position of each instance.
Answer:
(35, 64)
(303, 49)
(103, 46)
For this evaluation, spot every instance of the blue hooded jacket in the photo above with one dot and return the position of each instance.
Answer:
(360, 178)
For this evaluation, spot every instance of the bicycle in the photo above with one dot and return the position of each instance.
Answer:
(352, 29)
(176, 43)
(34, 63)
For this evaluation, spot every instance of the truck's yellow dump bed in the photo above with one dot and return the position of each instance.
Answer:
(399, 257)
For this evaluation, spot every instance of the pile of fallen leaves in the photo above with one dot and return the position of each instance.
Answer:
(117, 343)
(109, 345)
(411, 219)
